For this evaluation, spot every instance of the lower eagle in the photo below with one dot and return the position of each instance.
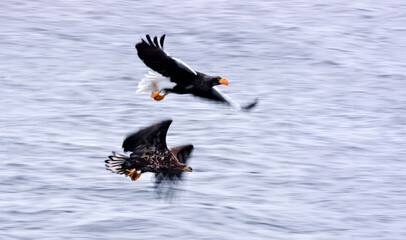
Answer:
(151, 154)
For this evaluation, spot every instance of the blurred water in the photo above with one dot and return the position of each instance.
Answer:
(321, 156)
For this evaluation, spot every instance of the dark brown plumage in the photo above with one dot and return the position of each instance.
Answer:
(185, 80)
(151, 154)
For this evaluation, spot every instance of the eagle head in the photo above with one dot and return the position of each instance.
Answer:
(187, 169)
(219, 80)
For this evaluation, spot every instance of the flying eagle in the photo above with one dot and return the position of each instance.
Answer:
(177, 77)
(150, 154)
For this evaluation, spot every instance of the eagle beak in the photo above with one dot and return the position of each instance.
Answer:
(223, 81)
(187, 169)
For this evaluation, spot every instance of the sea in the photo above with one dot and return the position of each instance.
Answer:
(322, 155)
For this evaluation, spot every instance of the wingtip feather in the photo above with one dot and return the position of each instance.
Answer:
(156, 42)
(149, 40)
(162, 41)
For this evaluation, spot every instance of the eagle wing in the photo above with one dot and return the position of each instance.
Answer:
(182, 152)
(154, 135)
(217, 95)
(153, 55)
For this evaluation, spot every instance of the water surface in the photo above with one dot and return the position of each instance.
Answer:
(320, 157)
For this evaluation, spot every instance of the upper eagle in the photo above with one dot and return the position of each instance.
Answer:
(176, 76)
(151, 154)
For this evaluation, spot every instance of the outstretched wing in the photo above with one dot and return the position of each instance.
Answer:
(182, 153)
(154, 135)
(153, 55)
(215, 94)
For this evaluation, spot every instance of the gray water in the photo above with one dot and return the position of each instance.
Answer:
(321, 156)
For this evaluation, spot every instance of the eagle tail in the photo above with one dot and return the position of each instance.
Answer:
(115, 162)
(154, 82)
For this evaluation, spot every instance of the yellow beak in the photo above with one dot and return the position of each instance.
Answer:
(187, 169)
(223, 81)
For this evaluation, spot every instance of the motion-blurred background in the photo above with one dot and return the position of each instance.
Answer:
(320, 157)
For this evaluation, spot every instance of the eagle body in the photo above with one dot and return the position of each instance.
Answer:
(198, 83)
(149, 153)
(152, 160)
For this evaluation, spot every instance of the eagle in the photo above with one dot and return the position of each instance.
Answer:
(149, 153)
(173, 75)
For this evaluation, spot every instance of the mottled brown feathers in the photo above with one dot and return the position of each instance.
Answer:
(149, 153)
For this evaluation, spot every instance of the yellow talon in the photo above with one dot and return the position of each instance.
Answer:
(157, 97)
(160, 97)
(136, 177)
(131, 174)
(155, 94)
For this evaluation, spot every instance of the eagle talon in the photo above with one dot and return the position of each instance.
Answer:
(160, 97)
(155, 94)
(157, 97)
(136, 177)
(131, 174)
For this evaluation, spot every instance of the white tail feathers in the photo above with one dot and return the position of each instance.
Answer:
(115, 163)
(154, 82)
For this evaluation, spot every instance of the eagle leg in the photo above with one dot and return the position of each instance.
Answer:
(131, 174)
(155, 94)
(137, 175)
(158, 97)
